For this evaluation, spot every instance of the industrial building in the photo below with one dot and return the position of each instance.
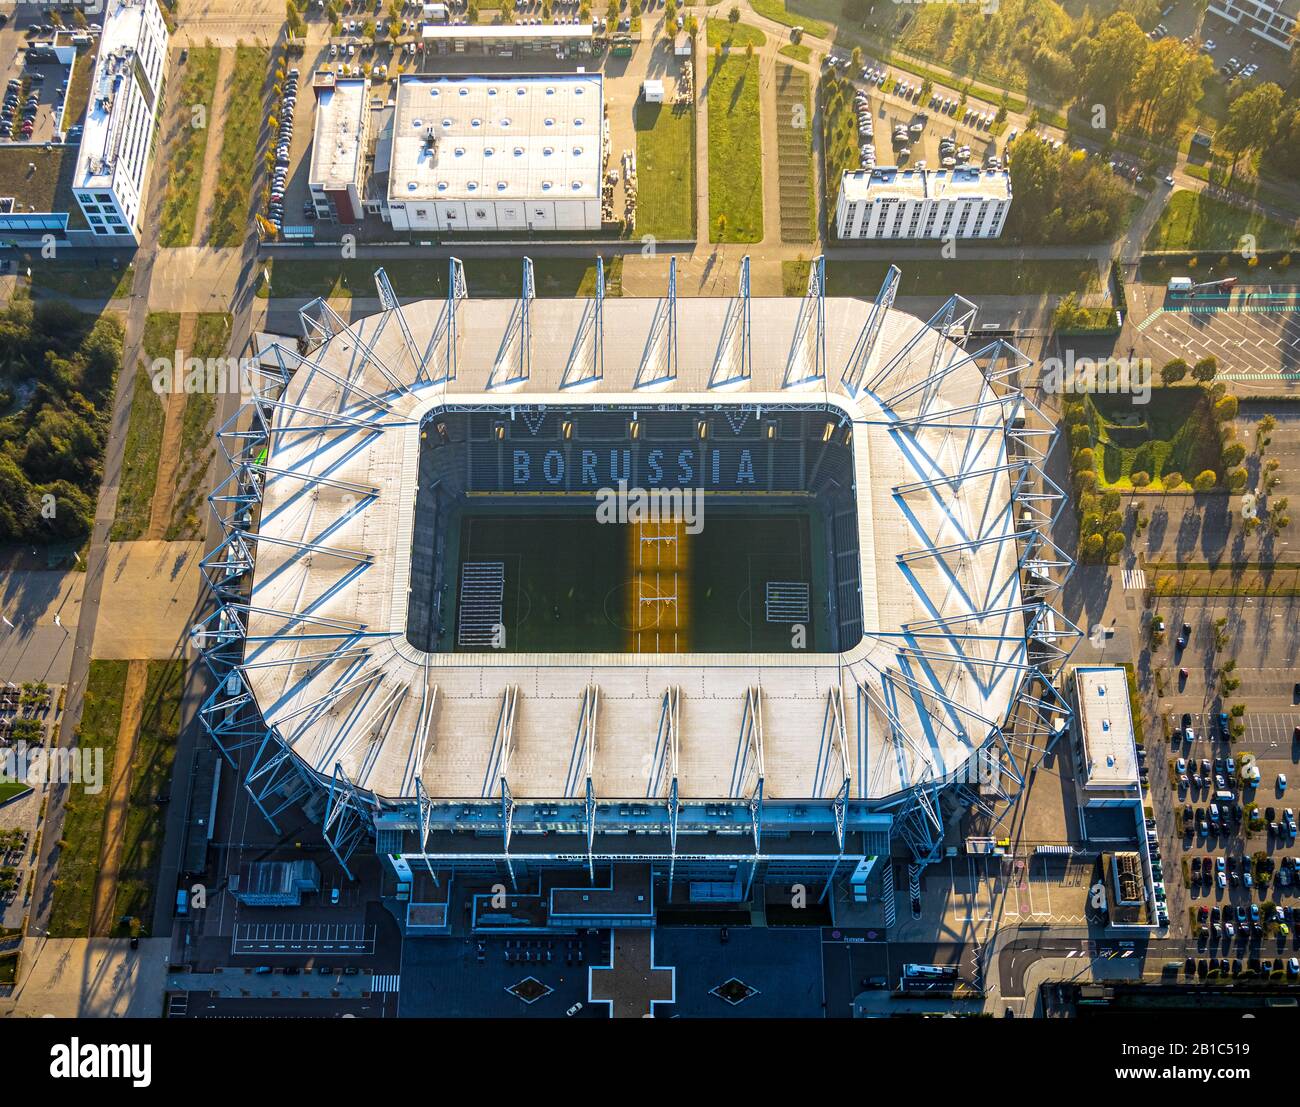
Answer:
(353, 642)
(520, 153)
(336, 178)
(117, 143)
(1107, 750)
(895, 203)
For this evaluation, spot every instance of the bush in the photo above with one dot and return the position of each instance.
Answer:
(1205, 481)
(1173, 371)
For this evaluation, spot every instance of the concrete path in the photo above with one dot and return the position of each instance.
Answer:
(89, 978)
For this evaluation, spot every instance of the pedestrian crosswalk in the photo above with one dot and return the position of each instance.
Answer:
(388, 983)
(1135, 578)
(887, 896)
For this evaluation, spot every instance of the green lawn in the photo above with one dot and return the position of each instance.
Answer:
(83, 818)
(12, 789)
(796, 50)
(198, 85)
(735, 151)
(151, 771)
(144, 433)
(1194, 221)
(733, 36)
(211, 340)
(776, 11)
(81, 280)
(665, 171)
(419, 278)
(232, 204)
(1174, 433)
(927, 277)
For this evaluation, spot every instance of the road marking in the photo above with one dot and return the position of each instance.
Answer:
(1135, 579)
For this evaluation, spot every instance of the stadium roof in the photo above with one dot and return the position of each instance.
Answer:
(507, 138)
(944, 650)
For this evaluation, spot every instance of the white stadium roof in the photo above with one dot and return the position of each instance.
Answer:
(944, 650)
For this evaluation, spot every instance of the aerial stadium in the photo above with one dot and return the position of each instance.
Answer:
(722, 592)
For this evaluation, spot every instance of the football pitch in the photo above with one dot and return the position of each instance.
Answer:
(571, 584)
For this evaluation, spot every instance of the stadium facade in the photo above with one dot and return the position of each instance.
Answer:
(346, 684)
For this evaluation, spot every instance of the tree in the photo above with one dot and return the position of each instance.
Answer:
(1115, 56)
(1173, 371)
(1205, 369)
(1093, 546)
(1173, 480)
(733, 16)
(1264, 432)
(1205, 481)
(1252, 122)
(1237, 479)
(1140, 479)
(1233, 454)
(857, 59)
(1225, 409)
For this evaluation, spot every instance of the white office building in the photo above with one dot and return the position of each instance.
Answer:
(519, 153)
(1272, 20)
(336, 178)
(113, 161)
(898, 203)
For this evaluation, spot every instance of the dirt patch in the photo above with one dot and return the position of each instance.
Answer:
(110, 850)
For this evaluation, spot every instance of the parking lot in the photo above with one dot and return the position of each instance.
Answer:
(938, 115)
(1254, 333)
(301, 938)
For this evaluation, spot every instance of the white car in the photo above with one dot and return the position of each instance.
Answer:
(578, 1007)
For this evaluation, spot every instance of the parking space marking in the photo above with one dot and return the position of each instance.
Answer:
(349, 939)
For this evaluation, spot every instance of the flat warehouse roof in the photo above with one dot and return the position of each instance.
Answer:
(497, 138)
(336, 145)
(1106, 724)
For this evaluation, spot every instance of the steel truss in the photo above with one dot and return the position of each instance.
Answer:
(514, 360)
(733, 362)
(806, 362)
(586, 364)
(1009, 627)
(659, 358)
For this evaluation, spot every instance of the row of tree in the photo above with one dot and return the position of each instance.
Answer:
(57, 371)
(1063, 197)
